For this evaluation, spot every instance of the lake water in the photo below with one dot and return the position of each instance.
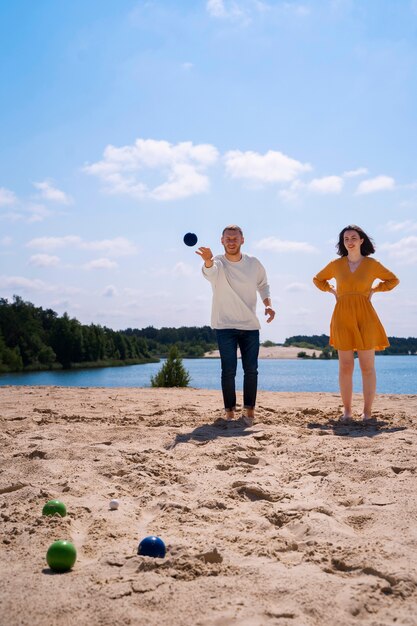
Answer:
(395, 374)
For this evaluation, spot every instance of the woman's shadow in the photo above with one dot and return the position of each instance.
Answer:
(208, 432)
(370, 428)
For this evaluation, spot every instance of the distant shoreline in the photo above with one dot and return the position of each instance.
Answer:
(274, 352)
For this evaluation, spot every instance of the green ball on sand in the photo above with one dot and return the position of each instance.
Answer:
(54, 506)
(61, 556)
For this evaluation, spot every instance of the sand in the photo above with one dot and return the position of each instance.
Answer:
(296, 521)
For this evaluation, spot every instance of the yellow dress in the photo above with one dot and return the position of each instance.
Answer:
(355, 324)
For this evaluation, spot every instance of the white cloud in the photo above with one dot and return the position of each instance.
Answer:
(187, 66)
(179, 269)
(123, 169)
(297, 287)
(12, 216)
(327, 184)
(216, 8)
(222, 10)
(407, 225)
(132, 292)
(404, 250)
(379, 183)
(182, 269)
(271, 167)
(333, 184)
(52, 243)
(300, 9)
(360, 171)
(412, 185)
(6, 241)
(28, 212)
(51, 193)
(292, 192)
(7, 197)
(278, 245)
(44, 260)
(245, 9)
(110, 292)
(119, 246)
(63, 303)
(24, 284)
(37, 212)
(100, 264)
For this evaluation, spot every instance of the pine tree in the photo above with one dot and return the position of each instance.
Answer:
(172, 373)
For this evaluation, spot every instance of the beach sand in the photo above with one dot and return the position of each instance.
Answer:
(296, 521)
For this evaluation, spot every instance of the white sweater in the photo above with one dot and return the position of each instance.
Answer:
(235, 287)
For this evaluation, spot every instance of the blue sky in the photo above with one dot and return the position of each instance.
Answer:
(125, 124)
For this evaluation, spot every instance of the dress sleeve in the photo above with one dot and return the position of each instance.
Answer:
(388, 279)
(321, 280)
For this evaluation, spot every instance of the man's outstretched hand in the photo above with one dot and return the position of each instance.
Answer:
(270, 313)
(206, 254)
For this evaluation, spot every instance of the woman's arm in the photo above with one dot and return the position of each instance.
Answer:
(321, 280)
(388, 279)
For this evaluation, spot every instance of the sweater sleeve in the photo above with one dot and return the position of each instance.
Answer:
(388, 279)
(321, 280)
(211, 272)
(262, 283)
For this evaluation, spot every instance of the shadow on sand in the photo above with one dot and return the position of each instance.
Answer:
(372, 428)
(208, 432)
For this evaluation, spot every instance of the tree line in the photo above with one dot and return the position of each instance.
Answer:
(398, 345)
(191, 341)
(33, 338)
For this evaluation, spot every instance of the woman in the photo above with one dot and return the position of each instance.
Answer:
(355, 324)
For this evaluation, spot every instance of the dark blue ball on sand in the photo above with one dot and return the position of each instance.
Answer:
(152, 546)
(190, 239)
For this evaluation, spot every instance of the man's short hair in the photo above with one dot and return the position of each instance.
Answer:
(232, 227)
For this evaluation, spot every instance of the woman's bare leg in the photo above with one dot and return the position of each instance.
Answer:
(346, 365)
(367, 363)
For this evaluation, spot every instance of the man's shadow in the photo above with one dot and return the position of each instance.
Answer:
(371, 428)
(209, 432)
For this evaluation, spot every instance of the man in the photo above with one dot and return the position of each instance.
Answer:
(235, 279)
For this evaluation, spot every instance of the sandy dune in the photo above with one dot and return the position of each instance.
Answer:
(274, 352)
(297, 521)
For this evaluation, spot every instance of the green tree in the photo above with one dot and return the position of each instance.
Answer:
(10, 359)
(172, 373)
(269, 344)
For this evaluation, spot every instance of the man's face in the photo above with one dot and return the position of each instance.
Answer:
(232, 241)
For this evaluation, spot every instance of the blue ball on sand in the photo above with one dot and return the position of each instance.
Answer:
(152, 546)
(190, 239)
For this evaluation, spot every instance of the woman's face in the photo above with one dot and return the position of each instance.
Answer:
(352, 240)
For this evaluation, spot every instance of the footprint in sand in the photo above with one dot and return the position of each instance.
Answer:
(359, 522)
(254, 492)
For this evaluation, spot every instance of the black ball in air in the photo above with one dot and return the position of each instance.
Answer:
(190, 239)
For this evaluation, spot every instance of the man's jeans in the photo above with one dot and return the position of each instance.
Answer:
(229, 339)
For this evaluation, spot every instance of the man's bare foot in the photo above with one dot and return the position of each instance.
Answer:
(247, 420)
(229, 415)
(248, 416)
